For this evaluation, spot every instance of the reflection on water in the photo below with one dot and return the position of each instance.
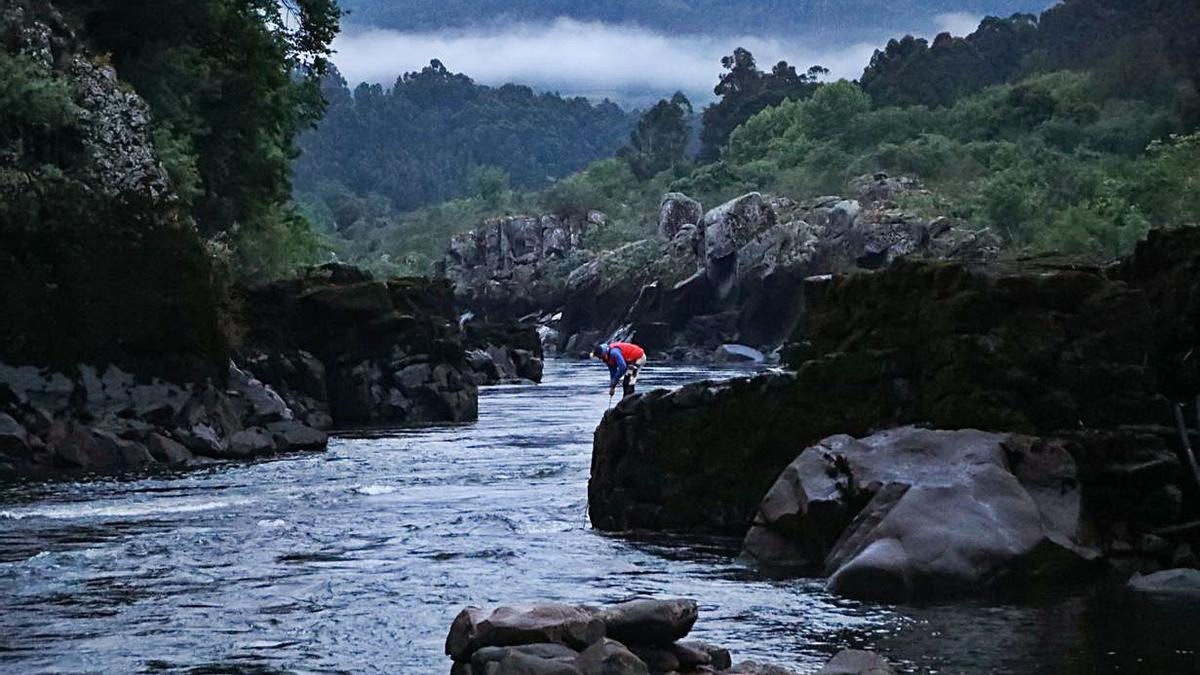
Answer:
(357, 560)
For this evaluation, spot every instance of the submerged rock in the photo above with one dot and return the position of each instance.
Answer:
(1178, 583)
(857, 662)
(738, 354)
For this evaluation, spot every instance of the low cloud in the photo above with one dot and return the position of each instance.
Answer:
(958, 24)
(578, 58)
(630, 64)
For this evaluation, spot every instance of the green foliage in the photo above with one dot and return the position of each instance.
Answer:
(421, 141)
(272, 245)
(1134, 50)
(1036, 129)
(1052, 162)
(660, 140)
(1167, 182)
(33, 98)
(231, 84)
(744, 91)
(91, 268)
(489, 183)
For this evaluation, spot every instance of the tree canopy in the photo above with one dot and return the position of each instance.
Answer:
(231, 85)
(419, 141)
(745, 90)
(660, 140)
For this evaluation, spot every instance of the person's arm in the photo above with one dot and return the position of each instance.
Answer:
(617, 370)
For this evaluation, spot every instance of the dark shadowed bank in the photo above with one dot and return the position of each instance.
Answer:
(123, 343)
(1074, 367)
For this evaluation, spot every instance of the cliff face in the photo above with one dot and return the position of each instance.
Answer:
(96, 263)
(1060, 354)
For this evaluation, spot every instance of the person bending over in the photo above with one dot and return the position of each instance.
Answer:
(624, 360)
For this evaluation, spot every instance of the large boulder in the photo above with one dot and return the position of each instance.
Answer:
(734, 224)
(934, 513)
(475, 628)
(14, 440)
(676, 211)
(351, 353)
(727, 229)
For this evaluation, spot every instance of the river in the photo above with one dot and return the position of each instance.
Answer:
(357, 559)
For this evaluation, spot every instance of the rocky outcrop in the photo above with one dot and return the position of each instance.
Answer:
(641, 637)
(104, 420)
(343, 348)
(504, 352)
(912, 513)
(733, 275)
(511, 267)
(1066, 356)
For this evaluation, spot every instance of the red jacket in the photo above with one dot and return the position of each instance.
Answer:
(630, 351)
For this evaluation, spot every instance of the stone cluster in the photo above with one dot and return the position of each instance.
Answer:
(639, 637)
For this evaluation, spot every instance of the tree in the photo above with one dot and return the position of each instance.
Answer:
(661, 138)
(231, 84)
(489, 183)
(744, 91)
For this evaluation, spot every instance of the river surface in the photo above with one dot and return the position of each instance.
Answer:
(356, 560)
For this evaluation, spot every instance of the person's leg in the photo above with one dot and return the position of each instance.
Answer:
(631, 377)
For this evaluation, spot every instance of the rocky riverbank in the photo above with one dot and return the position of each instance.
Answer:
(1060, 371)
(730, 276)
(639, 637)
(332, 348)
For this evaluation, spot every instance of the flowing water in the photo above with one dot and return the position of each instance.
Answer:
(356, 560)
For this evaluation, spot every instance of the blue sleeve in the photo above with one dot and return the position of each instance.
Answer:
(619, 369)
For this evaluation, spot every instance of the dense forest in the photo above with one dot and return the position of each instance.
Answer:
(1072, 131)
(426, 139)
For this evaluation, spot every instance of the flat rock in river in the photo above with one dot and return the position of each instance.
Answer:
(474, 628)
(651, 622)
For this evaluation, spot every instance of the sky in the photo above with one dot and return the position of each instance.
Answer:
(598, 55)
